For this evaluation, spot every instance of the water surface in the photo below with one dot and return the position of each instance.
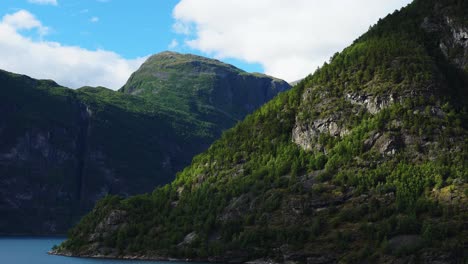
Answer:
(34, 251)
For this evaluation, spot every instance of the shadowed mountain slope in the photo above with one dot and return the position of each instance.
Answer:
(61, 149)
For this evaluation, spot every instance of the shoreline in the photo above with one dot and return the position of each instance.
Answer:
(135, 257)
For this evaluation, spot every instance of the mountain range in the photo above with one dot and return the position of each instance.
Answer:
(61, 150)
(363, 161)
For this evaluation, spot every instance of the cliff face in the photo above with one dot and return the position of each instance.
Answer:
(453, 34)
(61, 150)
(34, 160)
(364, 161)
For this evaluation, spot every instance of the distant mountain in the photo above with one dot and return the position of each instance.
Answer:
(204, 88)
(364, 161)
(61, 149)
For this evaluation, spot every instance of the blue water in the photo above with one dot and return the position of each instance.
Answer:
(34, 251)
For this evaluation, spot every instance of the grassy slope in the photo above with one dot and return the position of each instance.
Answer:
(203, 88)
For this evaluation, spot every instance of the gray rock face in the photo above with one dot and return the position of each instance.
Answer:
(307, 131)
(386, 145)
(31, 166)
(112, 221)
(306, 135)
(457, 39)
(373, 104)
(454, 40)
(188, 239)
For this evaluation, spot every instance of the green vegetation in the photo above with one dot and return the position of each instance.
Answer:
(392, 187)
(71, 147)
(201, 88)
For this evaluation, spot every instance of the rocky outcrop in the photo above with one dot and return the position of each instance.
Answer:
(373, 104)
(383, 143)
(188, 239)
(306, 135)
(453, 37)
(111, 223)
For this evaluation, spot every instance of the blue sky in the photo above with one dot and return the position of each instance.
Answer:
(101, 42)
(130, 28)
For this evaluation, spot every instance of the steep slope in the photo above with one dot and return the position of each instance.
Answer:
(365, 161)
(61, 149)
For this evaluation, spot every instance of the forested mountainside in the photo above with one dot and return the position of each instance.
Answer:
(364, 161)
(61, 149)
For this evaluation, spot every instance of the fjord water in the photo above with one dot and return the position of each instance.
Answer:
(26, 250)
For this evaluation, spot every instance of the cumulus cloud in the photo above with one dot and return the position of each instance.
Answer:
(71, 66)
(23, 20)
(94, 19)
(44, 2)
(290, 39)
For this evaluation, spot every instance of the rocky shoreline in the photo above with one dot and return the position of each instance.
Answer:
(159, 258)
(124, 257)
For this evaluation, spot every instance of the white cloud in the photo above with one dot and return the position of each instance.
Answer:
(290, 39)
(94, 19)
(23, 20)
(44, 2)
(174, 44)
(68, 65)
